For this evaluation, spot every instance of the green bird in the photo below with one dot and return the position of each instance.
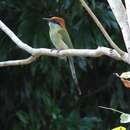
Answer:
(61, 40)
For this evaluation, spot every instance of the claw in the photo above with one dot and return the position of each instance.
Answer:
(53, 49)
(58, 50)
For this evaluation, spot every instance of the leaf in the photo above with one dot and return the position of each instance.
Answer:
(119, 128)
(126, 83)
(125, 75)
(23, 116)
(124, 118)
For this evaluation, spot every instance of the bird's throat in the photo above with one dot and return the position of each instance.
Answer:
(54, 26)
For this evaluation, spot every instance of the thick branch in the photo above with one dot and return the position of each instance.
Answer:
(127, 3)
(100, 26)
(100, 51)
(121, 17)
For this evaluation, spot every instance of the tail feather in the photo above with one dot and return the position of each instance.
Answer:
(71, 63)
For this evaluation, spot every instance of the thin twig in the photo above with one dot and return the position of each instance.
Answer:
(18, 62)
(112, 109)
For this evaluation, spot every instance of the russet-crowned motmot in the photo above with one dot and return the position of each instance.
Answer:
(61, 40)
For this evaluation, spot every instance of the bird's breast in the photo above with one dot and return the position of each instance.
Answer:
(53, 37)
(57, 40)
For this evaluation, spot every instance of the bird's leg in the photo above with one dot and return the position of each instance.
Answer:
(61, 57)
(60, 49)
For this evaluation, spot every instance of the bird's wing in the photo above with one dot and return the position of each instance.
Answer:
(65, 37)
(57, 39)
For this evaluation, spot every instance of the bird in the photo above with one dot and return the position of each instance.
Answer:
(61, 40)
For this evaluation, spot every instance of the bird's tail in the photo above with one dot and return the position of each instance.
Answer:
(71, 63)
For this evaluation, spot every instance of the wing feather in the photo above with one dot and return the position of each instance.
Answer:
(65, 37)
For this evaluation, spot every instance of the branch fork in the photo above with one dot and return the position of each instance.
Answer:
(116, 53)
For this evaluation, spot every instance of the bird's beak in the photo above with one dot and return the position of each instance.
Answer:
(47, 19)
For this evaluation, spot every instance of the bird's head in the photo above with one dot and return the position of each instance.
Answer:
(56, 20)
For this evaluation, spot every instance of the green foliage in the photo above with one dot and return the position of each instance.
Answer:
(42, 95)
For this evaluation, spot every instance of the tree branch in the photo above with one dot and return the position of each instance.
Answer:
(100, 51)
(121, 17)
(18, 62)
(100, 26)
(127, 3)
(15, 39)
(36, 52)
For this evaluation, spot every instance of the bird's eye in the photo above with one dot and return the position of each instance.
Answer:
(56, 22)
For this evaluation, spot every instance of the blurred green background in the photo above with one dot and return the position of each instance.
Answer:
(42, 95)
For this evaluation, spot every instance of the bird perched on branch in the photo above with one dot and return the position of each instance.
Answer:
(61, 40)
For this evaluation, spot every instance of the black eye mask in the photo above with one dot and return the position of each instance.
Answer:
(54, 21)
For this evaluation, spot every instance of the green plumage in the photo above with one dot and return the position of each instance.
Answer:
(61, 40)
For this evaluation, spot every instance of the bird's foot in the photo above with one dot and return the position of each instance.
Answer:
(54, 49)
(61, 57)
(58, 50)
